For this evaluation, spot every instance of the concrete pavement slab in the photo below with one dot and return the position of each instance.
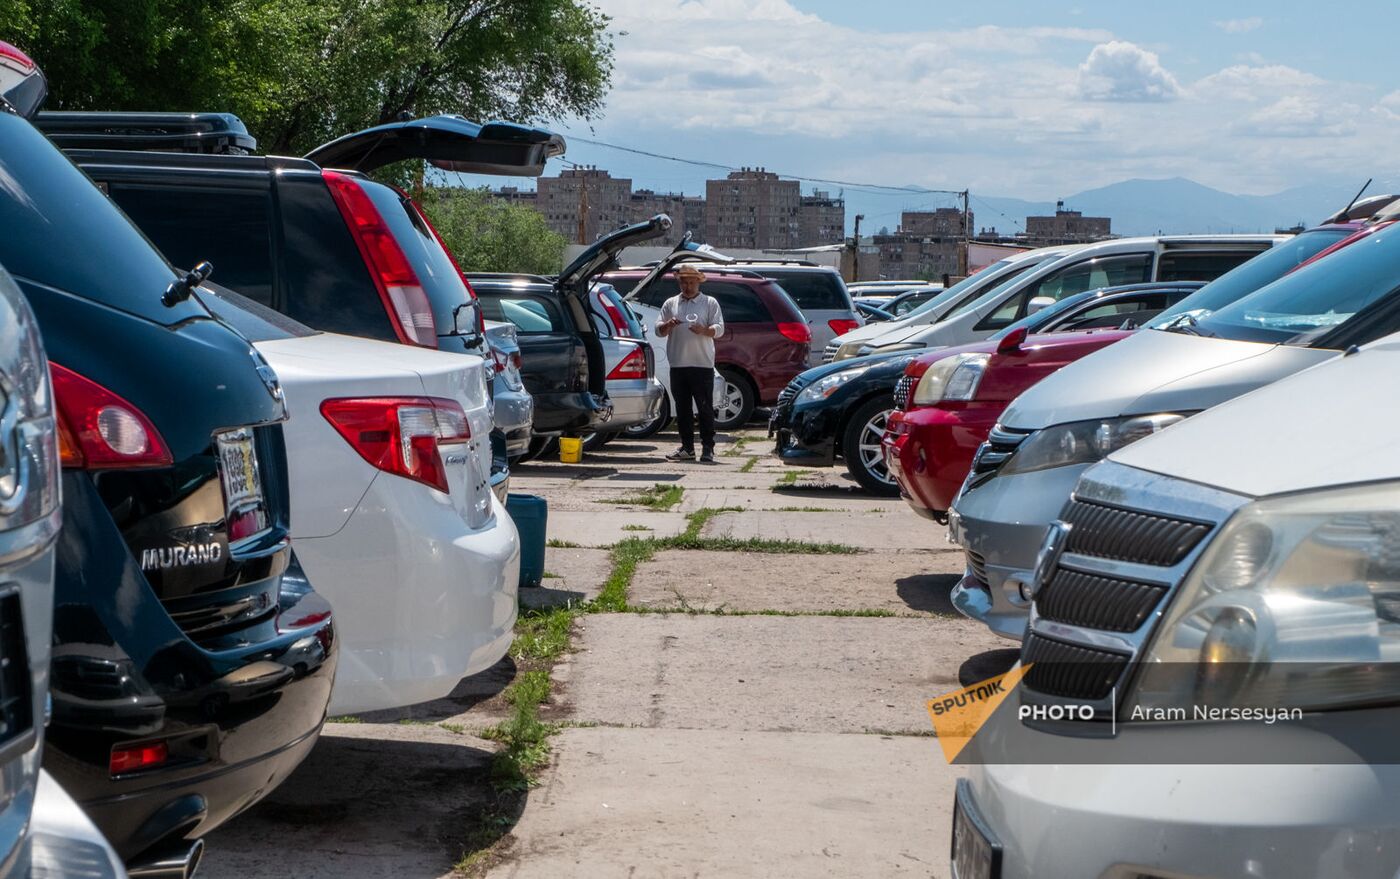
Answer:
(903, 583)
(809, 674)
(580, 574)
(761, 498)
(687, 803)
(604, 528)
(892, 531)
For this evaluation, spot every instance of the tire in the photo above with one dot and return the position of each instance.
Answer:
(592, 442)
(740, 400)
(656, 425)
(860, 446)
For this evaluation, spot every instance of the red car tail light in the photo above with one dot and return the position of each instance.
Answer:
(137, 757)
(634, 365)
(841, 326)
(795, 331)
(615, 315)
(401, 435)
(98, 429)
(18, 59)
(399, 288)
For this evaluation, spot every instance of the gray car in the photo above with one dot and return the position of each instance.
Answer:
(514, 412)
(1232, 336)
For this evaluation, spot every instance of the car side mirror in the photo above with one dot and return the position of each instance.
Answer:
(466, 321)
(1039, 303)
(1012, 340)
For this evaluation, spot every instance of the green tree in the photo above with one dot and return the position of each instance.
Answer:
(301, 72)
(487, 234)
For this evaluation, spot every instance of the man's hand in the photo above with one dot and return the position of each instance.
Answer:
(702, 330)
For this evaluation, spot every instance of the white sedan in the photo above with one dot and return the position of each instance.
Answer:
(393, 518)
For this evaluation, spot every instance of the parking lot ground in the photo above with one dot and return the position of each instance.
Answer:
(722, 803)
(740, 582)
(757, 710)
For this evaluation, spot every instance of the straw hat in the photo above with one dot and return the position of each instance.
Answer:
(686, 271)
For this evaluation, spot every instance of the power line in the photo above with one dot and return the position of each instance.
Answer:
(703, 164)
(999, 213)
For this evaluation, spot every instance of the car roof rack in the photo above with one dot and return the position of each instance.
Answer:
(779, 262)
(508, 276)
(204, 133)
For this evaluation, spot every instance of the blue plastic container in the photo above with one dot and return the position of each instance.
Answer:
(531, 515)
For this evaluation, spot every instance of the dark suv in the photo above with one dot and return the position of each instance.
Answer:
(192, 662)
(766, 339)
(331, 249)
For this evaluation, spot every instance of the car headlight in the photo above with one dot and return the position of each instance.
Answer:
(1085, 442)
(1310, 578)
(952, 378)
(825, 386)
(851, 349)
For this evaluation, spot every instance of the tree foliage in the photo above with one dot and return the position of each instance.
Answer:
(302, 72)
(487, 234)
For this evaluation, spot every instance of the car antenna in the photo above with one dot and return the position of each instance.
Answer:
(1356, 197)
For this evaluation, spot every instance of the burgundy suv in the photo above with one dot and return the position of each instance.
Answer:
(766, 339)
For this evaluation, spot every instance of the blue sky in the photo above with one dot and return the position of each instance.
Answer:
(1016, 98)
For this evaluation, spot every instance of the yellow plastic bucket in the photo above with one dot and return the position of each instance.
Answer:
(570, 450)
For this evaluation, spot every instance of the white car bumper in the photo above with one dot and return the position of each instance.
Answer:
(1193, 822)
(420, 600)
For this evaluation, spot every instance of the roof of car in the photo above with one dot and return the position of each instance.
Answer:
(211, 161)
(732, 273)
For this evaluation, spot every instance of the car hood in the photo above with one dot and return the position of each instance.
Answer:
(1345, 435)
(826, 369)
(1156, 371)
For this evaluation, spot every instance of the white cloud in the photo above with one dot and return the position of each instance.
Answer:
(1123, 71)
(1388, 106)
(1255, 82)
(1240, 25)
(1300, 116)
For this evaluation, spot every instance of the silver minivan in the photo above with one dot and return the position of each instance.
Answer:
(1209, 348)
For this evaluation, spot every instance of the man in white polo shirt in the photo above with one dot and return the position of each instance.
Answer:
(690, 322)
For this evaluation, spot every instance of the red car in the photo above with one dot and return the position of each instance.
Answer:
(929, 447)
(766, 337)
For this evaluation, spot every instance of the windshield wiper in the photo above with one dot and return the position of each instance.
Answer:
(181, 288)
(1187, 324)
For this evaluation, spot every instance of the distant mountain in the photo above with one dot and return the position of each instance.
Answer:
(1137, 207)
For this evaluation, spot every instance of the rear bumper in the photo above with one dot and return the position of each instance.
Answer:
(514, 416)
(929, 451)
(560, 413)
(421, 600)
(236, 720)
(635, 401)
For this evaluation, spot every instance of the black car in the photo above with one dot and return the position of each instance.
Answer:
(553, 318)
(331, 249)
(839, 409)
(192, 662)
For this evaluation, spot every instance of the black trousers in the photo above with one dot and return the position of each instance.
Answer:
(693, 389)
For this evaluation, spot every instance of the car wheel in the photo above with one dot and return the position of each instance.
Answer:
(860, 446)
(592, 442)
(739, 401)
(653, 427)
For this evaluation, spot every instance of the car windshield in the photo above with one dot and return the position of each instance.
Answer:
(1298, 307)
(975, 284)
(1265, 268)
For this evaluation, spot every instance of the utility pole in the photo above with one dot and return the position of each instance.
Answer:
(582, 206)
(963, 259)
(855, 252)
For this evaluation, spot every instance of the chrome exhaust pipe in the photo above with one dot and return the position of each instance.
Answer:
(178, 861)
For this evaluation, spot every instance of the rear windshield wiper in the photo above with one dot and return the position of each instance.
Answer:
(181, 288)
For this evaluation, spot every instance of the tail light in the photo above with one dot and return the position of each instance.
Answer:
(841, 326)
(797, 332)
(98, 429)
(615, 315)
(401, 435)
(634, 365)
(138, 757)
(399, 288)
(480, 316)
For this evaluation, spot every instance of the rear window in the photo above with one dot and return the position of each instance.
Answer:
(738, 303)
(531, 314)
(256, 322)
(440, 279)
(811, 290)
(58, 229)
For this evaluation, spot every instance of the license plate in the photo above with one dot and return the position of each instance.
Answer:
(243, 493)
(976, 853)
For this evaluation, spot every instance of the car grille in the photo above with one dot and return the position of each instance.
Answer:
(1001, 444)
(789, 393)
(903, 391)
(829, 352)
(1082, 599)
(977, 566)
(1069, 671)
(16, 698)
(1128, 536)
